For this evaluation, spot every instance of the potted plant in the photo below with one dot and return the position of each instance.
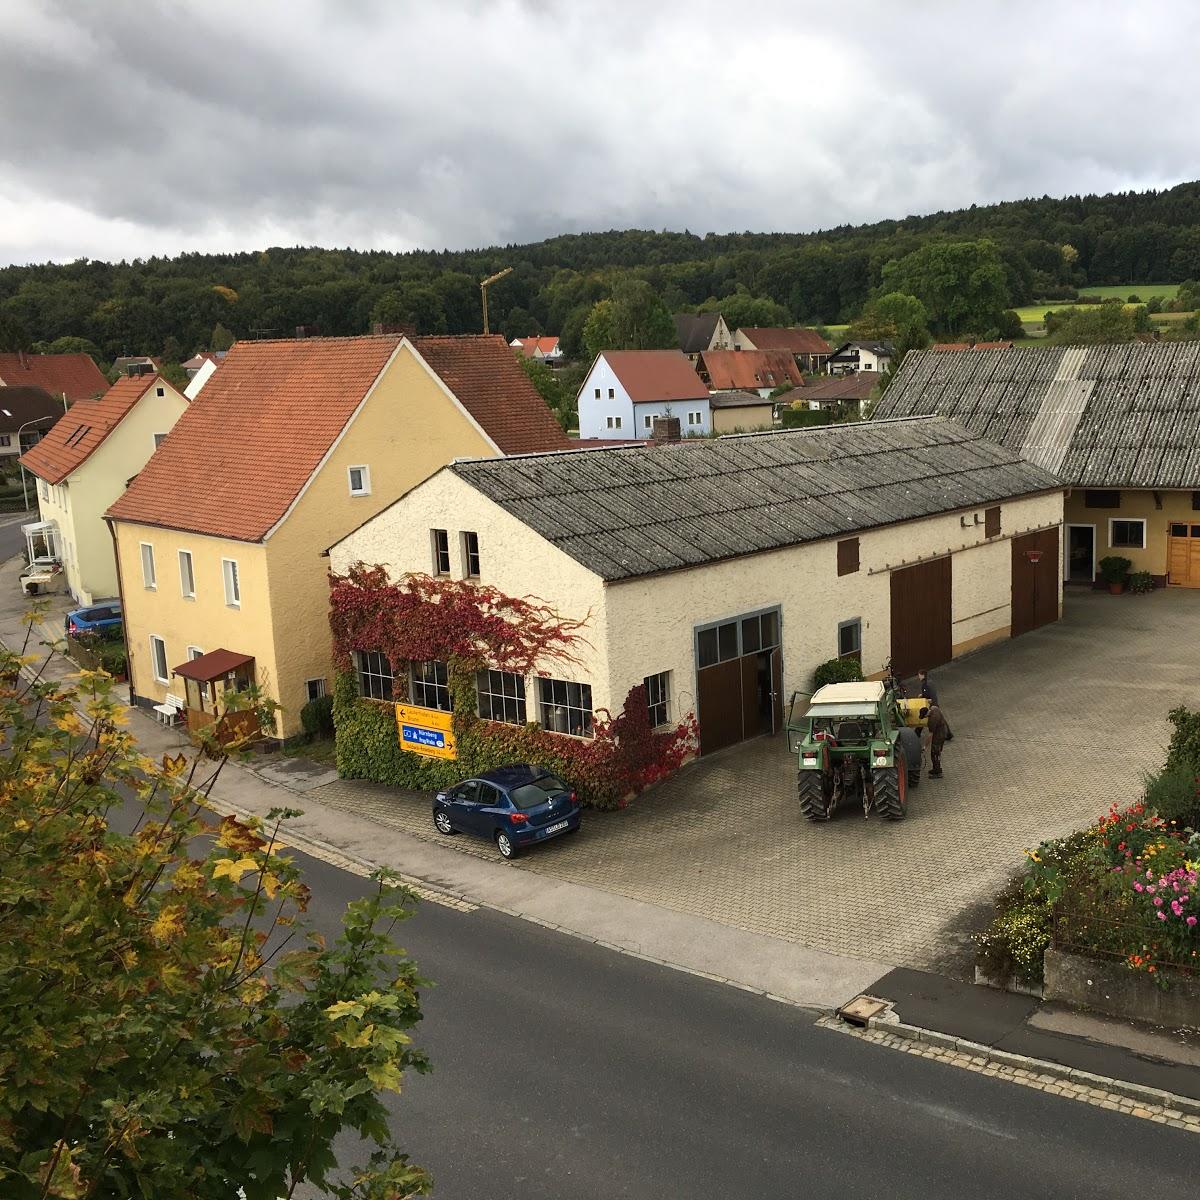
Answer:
(1141, 582)
(1113, 570)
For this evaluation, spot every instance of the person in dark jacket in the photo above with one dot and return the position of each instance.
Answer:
(929, 692)
(937, 739)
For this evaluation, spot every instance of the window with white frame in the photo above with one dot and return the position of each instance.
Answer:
(233, 583)
(597, 391)
(612, 393)
(314, 689)
(440, 541)
(658, 698)
(159, 438)
(187, 576)
(149, 579)
(1127, 534)
(374, 674)
(695, 418)
(613, 422)
(501, 696)
(850, 638)
(360, 480)
(194, 652)
(429, 685)
(649, 419)
(566, 707)
(158, 657)
(45, 490)
(470, 554)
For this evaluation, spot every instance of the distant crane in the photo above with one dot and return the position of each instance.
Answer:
(484, 284)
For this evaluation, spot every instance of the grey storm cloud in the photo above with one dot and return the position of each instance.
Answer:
(135, 127)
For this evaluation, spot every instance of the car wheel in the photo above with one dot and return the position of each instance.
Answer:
(505, 845)
(441, 820)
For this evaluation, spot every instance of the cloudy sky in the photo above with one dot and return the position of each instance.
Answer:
(139, 127)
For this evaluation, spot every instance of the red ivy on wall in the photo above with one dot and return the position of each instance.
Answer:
(468, 626)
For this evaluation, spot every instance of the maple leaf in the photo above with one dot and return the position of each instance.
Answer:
(231, 868)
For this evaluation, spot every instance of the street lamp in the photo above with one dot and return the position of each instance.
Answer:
(20, 454)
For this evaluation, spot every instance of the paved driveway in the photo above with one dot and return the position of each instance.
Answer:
(1049, 729)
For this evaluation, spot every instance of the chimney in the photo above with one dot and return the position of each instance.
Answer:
(24, 364)
(664, 430)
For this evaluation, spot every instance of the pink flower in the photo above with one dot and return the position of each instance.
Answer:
(1162, 916)
(1177, 908)
(1191, 920)
(1158, 901)
(1137, 887)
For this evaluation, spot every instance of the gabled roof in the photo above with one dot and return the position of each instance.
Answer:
(855, 386)
(795, 341)
(543, 344)
(74, 375)
(738, 400)
(21, 404)
(655, 375)
(950, 346)
(81, 431)
(1097, 416)
(750, 369)
(695, 330)
(638, 510)
(198, 360)
(885, 348)
(253, 437)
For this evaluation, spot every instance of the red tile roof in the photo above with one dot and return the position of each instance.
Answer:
(252, 439)
(656, 375)
(82, 429)
(531, 345)
(855, 385)
(734, 369)
(76, 375)
(796, 341)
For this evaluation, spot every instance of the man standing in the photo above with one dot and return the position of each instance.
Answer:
(929, 692)
(937, 739)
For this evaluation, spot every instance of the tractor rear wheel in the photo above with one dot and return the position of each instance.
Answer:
(815, 790)
(891, 790)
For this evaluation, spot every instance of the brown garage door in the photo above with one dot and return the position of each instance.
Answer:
(719, 693)
(921, 630)
(1034, 584)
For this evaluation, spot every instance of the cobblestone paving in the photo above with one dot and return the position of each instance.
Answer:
(1049, 729)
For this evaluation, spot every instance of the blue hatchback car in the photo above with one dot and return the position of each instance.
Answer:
(100, 619)
(515, 807)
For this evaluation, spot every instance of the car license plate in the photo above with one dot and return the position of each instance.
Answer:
(557, 827)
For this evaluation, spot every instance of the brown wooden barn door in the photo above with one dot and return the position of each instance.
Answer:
(1035, 573)
(922, 634)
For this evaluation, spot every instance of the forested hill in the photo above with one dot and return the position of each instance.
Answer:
(171, 306)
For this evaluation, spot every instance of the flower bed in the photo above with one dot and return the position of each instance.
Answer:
(1127, 889)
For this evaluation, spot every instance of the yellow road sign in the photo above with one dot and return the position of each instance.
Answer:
(427, 731)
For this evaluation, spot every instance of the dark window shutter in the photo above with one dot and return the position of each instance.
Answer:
(991, 521)
(847, 560)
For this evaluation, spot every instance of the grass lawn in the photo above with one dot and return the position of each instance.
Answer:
(319, 750)
(837, 333)
(1033, 315)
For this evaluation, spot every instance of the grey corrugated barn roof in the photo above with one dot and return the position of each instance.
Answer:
(1097, 416)
(638, 510)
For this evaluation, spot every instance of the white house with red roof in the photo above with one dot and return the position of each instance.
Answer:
(544, 347)
(626, 389)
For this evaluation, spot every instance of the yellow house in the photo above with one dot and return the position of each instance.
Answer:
(83, 464)
(290, 445)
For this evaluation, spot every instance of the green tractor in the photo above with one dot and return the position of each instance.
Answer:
(856, 742)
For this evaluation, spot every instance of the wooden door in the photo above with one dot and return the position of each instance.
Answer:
(922, 634)
(1183, 555)
(1034, 584)
(719, 697)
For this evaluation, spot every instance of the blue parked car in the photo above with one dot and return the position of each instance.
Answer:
(511, 806)
(103, 619)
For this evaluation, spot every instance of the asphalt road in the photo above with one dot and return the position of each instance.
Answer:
(12, 540)
(563, 1071)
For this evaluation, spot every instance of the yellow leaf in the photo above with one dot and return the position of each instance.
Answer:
(362, 1038)
(168, 924)
(228, 868)
(344, 1008)
(270, 884)
(386, 1076)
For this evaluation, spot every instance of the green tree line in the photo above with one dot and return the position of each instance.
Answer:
(1033, 249)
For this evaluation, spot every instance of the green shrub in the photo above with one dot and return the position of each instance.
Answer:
(1184, 749)
(1016, 940)
(1140, 582)
(1174, 794)
(837, 670)
(1114, 568)
(317, 717)
(799, 418)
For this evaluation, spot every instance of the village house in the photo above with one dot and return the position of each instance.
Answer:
(740, 412)
(719, 574)
(1119, 425)
(291, 444)
(698, 332)
(197, 362)
(74, 376)
(84, 463)
(626, 389)
(809, 349)
(760, 371)
(26, 415)
(861, 356)
(544, 348)
(839, 393)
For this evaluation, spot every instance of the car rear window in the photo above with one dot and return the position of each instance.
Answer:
(530, 795)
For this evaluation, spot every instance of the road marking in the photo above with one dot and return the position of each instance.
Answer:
(1131, 1100)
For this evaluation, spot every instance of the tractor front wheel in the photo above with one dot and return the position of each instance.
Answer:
(891, 790)
(815, 790)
